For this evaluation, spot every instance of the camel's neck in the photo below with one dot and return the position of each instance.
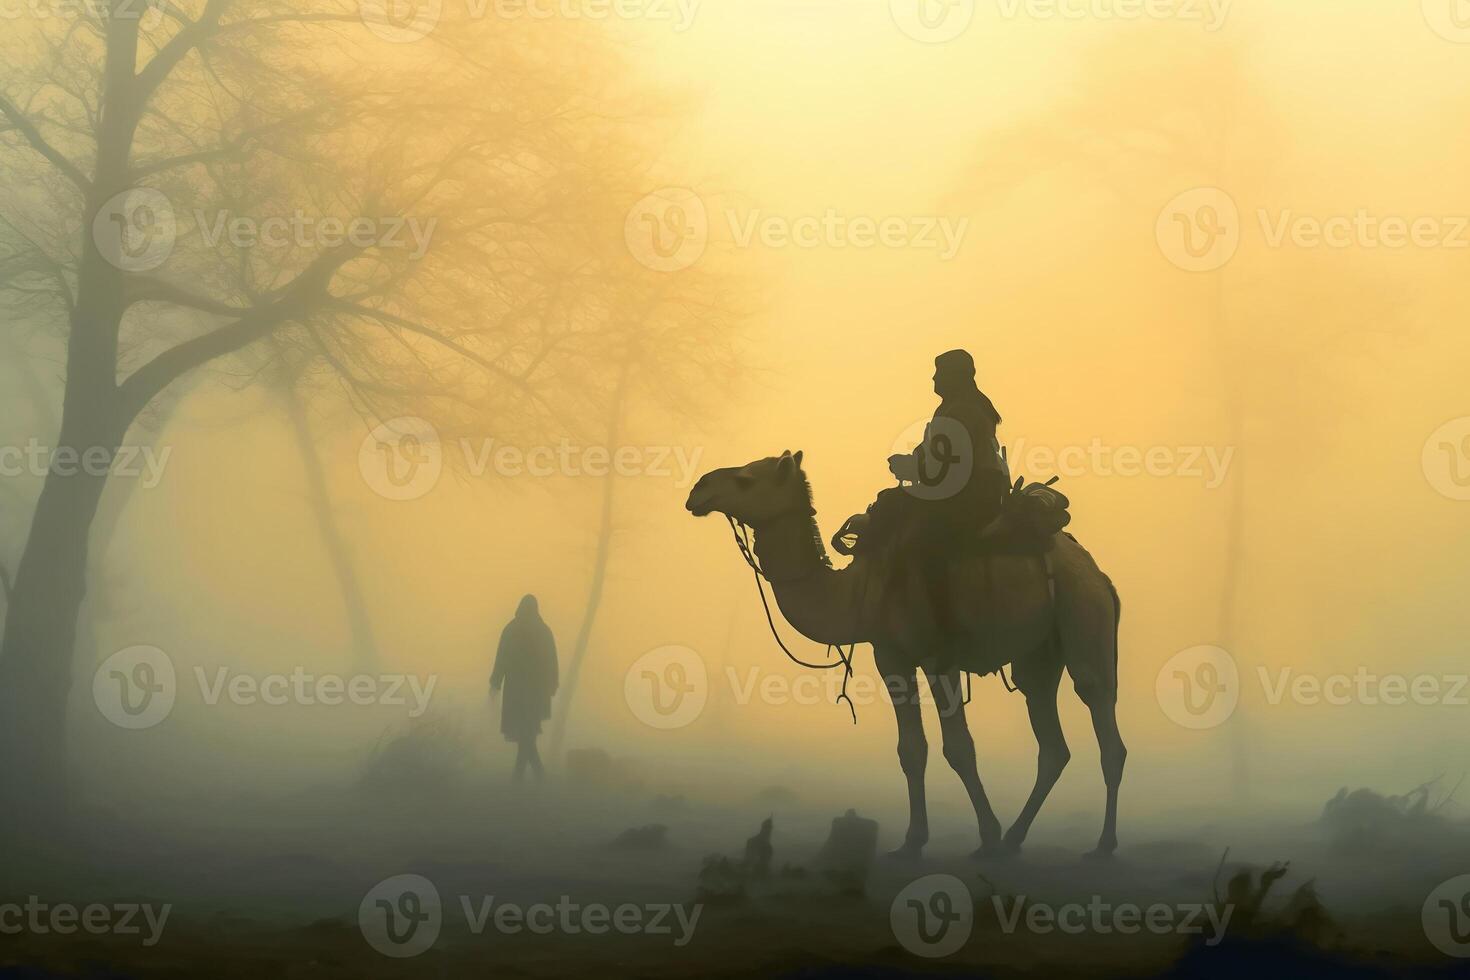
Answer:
(821, 602)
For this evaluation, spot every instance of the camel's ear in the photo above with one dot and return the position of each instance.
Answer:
(785, 467)
(797, 457)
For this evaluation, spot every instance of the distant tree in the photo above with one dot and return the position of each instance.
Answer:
(673, 344)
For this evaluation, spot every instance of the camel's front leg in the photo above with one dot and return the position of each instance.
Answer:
(959, 752)
(913, 751)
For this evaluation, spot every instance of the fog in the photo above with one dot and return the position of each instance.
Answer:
(1264, 447)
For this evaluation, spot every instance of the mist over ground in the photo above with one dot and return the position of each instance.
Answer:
(1208, 259)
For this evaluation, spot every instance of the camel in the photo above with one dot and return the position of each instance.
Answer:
(1006, 602)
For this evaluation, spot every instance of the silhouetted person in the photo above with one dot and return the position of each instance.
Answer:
(525, 666)
(963, 477)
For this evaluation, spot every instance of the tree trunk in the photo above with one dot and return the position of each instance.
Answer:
(36, 656)
(360, 627)
(51, 579)
(599, 574)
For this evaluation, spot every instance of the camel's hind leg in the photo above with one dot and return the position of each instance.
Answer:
(902, 683)
(1039, 679)
(959, 752)
(1103, 706)
(1090, 650)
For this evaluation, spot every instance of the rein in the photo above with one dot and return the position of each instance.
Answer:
(844, 658)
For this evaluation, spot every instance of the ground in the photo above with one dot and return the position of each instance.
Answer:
(273, 890)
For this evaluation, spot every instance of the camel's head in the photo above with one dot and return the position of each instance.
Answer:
(755, 493)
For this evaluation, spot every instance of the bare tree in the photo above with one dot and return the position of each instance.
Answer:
(674, 344)
(409, 219)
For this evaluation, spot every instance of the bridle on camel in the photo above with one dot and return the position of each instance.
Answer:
(741, 531)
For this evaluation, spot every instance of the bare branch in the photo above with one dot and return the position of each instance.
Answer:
(38, 143)
(146, 289)
(305, 293)
(178, 46)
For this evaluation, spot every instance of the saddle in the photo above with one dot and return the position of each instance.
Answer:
(1030, 519)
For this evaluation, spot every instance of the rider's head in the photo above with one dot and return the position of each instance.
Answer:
(954, 372)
